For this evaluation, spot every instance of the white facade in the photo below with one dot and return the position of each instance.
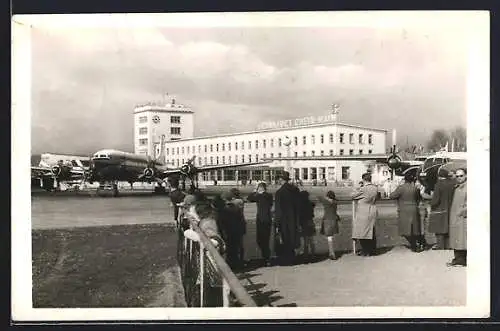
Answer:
(153, 120)
(307, 142)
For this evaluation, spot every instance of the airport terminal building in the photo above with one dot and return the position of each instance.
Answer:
(303, 146)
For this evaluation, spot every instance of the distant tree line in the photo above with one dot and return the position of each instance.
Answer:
(456, 137)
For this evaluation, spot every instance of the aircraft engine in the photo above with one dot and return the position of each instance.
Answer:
(56, 170)
(394, 161)
(148, 173)
(186, 169)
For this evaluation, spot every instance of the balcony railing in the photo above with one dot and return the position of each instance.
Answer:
(207, 279)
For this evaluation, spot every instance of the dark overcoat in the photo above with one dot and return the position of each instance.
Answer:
(408, 196)
(287, 202)
(440, 206)
(264, 217)
(458, 218)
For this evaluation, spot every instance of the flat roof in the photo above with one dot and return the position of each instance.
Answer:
(277, 130)
(162, 107)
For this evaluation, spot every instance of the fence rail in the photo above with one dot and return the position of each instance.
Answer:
(207, 279)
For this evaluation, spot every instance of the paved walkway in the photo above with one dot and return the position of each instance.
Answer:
(398, 277)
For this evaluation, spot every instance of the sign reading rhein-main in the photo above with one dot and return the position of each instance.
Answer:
(303, 121)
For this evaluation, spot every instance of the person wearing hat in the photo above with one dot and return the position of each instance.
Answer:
(264, 220)
(363, 227)
(287, 202)
(408, 197)
(233, 229)
(440, 209)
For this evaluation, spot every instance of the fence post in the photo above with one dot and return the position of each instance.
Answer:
(202, 273)
(354, 202)
(225, 293)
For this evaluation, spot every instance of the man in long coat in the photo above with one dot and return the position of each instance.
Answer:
(408, 196)
(458, 220)
(176, 197)
(287, 200)
(440, 208)
(363, 227)
(264, 220)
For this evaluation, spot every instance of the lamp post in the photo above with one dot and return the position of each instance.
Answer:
(335, 113)
(287, 142)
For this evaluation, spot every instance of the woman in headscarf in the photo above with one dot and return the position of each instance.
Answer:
(329, 222)
(408, 196)
(363, 227)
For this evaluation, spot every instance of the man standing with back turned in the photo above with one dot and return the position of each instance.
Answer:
(287, 217)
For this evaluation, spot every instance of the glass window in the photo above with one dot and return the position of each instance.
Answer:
(331, 138)
(305, 172)
(211, 148)
(264, 143)
(360, 152)
(216, 147)
(205, 160)
(346, 173)
(175, 119)
(229, 146)
(322, 153)
(304, 153)
(295, 154)
(256, 144)
(223, 147)
(295, 141)
(304, 140)
(167, 150)
(279, 154)
(264, 155)
(216, 160)
(143, 119)
(223, 159)
(143, 130)
(199, 149)
(174, 130)
(321, 139)
(256, 157)
(272, 155)
(313, 139)
(249, 158)
(279, 142)
(211, 160)
(313, 153)
(351, 152)
(370, 139)
(369, 151)
(182, 150)
(242, 145)
(331, 152)
(249, 144)
(341, 152)
(360, 138)
(242, 158)
(229, 159)
(143, 142)
(205, 149)
(272, 142)
(236, 146)
(351, 138)
(341, 138)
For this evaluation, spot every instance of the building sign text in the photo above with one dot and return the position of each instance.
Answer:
(304, 121)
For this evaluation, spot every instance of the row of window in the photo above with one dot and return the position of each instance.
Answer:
(173, 119)
(248, 158)
(321, 173)
(144, 141)
(180, 150)
(241, 145)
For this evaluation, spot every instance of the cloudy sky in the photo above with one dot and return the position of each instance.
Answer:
(86, 81)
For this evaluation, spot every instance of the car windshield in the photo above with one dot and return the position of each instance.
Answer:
(433, 161)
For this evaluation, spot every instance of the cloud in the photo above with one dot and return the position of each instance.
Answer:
(87, 81)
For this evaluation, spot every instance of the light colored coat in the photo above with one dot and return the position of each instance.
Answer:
(366, 212)
(458, 218)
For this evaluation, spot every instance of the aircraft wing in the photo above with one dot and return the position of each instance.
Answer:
(169, 172)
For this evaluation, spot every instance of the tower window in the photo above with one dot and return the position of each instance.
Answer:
(175, 130)
(175, 119)
(143, 119)
(143, 130)
(143, 142)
